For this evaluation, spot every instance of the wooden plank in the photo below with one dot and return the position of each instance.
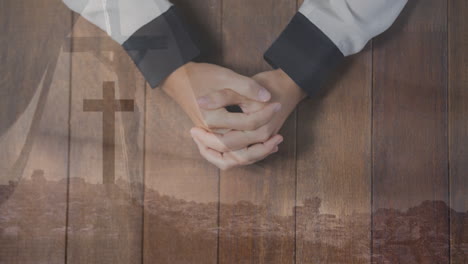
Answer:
(334, 175)
(333, 169)
(181, 193)
(410, 176)
(458, 129)
(34, 98)
(257, 202)
(106, 156)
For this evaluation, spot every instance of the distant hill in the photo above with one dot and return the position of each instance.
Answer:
(37, 206)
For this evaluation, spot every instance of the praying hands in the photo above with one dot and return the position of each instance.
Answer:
(233, 139)
(316, 40)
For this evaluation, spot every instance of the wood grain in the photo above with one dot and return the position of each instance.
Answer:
(182, 189)
(34, 95)
(458, 129)
(333, 169)
(105, 220)
(387, 135)
(257, 202)
(333, 213)
(410, 177)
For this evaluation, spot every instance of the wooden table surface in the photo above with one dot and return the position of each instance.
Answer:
(372, 169)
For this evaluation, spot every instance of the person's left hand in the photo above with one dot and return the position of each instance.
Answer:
(238, 148)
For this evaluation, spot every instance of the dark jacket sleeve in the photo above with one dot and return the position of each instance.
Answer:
(323, 33)
(152, 32)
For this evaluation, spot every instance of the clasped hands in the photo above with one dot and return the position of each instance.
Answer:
(228, 139)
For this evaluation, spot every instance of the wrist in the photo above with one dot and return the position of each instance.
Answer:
(176, 80)
(291, 86)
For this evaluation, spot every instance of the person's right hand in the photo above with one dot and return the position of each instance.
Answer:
(239, 148)
(200, 80)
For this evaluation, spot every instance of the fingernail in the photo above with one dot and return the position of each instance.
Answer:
(276, 149)
(277, 107)
(204, 100)
(264, 95)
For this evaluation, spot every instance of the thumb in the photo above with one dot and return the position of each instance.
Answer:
(259, 78)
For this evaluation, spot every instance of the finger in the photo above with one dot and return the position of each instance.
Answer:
(214, 157)
(221, 118)
(221, 131)
(256, 152)
(232, 140)
(210, 140)
(251, 89)
(227, 97)
(219, 99)
(249, 106)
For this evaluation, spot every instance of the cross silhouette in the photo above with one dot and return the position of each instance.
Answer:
(108, 106)
(141, 45)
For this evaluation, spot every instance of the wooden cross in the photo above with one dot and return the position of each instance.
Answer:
(108, 106)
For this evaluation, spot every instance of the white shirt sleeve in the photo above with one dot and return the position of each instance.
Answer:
(350, 24)
(152, 32)
(119, 18)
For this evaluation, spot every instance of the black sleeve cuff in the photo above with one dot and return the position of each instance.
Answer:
(305, 53)
(161, 46)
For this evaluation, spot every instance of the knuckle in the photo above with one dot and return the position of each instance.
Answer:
(251, 86)
(224, 148)
(263, 135)
(224, 167)
(243, 161)
(226, 93)
(227, 144)
(220, 97)
(253, 124)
